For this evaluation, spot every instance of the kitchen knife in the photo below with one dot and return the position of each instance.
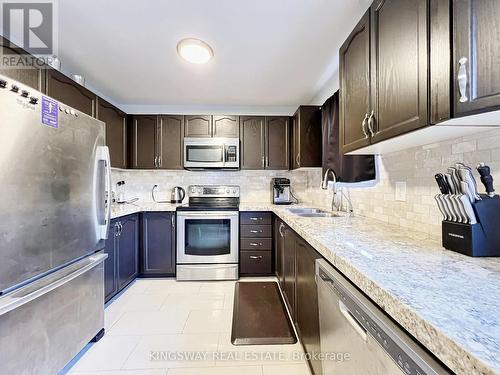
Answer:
(461, 208)
(486, 179)
(465, 174)
(451, 208)
(455, 178)
(461, 216)
(442, 184)
(468, 209)
(466, 191)
(441, 207)
(451, 185)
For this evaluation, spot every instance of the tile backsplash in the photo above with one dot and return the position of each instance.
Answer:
(416, 167)
(255, 186)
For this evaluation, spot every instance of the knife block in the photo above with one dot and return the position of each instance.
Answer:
(476, 240)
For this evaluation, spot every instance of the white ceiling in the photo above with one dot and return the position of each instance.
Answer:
(270, 55)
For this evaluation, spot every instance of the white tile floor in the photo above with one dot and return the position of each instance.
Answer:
(156, 321)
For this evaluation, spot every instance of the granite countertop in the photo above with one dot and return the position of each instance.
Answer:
(447, 301)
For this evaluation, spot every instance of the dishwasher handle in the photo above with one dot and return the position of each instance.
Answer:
(353, 321)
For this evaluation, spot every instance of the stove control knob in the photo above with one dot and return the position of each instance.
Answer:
(193, 190)
(25, 94)
(14, 88)
(234, 191)
(228, 191)
(33, 100)
(3, 84)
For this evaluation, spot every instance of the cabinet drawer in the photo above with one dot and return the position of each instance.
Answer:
(256, 231)
(255, 218)
(256, 244)
(255, 262)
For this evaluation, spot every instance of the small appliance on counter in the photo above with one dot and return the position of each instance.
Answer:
(177, 195)
(469, 218)
(280, 191)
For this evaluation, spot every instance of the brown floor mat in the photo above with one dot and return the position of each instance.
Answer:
(260, 316)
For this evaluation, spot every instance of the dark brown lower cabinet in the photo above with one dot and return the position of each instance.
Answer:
(306, 295)
(256, 250)
(158, 244)
(296, 269)
(289, 275)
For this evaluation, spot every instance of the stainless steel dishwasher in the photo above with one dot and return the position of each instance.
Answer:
(357, 338)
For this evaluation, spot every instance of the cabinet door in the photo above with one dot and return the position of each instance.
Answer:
(199, 126)
(31, 76)
(158, 244)
(252, 142)
(289, 275)
(277, 142)
(110, 266)
(399, 45)
(128, 250)
(354, 70)
(144, 153)
(476, 32)
(279, 246)
(116, 132)
(294, 157)
(307, 137)
(69, 92)
(307, 312)
(226, 126)
(170, 137)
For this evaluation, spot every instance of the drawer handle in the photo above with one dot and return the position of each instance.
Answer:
(255, 244)
(256, 218)
(255, 256)
(256, 231)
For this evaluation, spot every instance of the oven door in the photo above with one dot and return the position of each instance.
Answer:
(207, 237)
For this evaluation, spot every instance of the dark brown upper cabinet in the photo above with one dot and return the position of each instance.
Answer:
(399, 67)
(476, 81)
(198, 126)
(277, 142)
(143, 153)
(29, 75)
(252, 130)
(306, 137)
(226, 126)
(355, 86)
(116, 132)
(170, 141)
(264, 142)
(64, 89)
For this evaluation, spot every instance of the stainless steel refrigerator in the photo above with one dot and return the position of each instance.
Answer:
(54, 175)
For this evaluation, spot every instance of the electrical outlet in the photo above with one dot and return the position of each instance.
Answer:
(401, 191)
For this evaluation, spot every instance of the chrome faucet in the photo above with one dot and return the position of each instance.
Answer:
(324, 184)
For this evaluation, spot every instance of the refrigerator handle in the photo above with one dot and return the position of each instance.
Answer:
(104, 156)
(46, 284)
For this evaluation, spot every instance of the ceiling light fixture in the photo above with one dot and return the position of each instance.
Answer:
(194, 51)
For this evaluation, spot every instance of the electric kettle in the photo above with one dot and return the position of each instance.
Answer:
(177, 195)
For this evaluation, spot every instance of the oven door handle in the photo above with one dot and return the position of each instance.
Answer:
(208, 214)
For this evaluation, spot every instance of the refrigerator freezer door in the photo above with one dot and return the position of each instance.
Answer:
(52, 192)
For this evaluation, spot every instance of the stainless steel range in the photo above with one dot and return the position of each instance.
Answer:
(207, 233)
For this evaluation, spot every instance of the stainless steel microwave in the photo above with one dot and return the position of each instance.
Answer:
(211, 153)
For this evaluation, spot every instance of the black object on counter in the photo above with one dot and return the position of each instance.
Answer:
(443, 185)
(478, 240)
(486, 179)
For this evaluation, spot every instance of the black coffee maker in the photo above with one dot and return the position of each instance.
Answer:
(280, 191)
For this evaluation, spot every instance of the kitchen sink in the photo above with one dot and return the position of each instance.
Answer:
(311, 212)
